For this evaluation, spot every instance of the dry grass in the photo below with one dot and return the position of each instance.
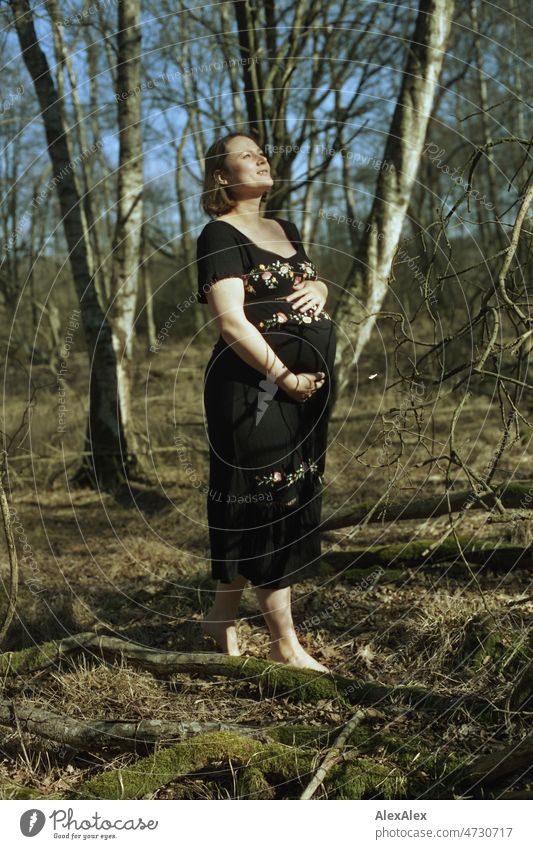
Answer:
(141, 570)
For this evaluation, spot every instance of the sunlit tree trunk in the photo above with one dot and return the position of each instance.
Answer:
(146, 285)
(127, 239)
(357, 313)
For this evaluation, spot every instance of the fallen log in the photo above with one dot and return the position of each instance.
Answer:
(511, 494)
(274, 680)
(125, 735)
(393, 559)
(261, 767)
(354, 743)
(500, 765)
(424, 552)
(42, 655)
(344, 779)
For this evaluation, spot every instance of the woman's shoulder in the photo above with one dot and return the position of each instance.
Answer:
(214, 230)
(211, 225)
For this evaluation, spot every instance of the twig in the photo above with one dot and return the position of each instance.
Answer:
(331, 756)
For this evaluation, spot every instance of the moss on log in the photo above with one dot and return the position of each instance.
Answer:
(264, 770)
(276, 766)
(272, 679)
(360, 563)
(511, 495)
(147, 775)
(43, 655)
(275, 770)
(252, 784)
(366, 778)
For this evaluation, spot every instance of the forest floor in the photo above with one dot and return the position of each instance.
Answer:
(136, 566)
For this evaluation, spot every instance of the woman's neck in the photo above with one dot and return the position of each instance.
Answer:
(247, 211)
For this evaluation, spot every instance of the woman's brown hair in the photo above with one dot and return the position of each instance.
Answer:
(216, 199)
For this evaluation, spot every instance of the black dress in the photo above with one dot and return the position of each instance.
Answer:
(267, 451)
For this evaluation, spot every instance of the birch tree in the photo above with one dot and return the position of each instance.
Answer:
(357, 313)
(127, 240)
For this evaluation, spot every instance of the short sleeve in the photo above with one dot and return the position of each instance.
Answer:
(218, 255)
(294, 233)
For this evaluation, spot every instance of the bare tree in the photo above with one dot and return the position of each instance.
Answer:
(106, 448)
(64, 64)
(127, 240)
(262, 96)
(357, 314)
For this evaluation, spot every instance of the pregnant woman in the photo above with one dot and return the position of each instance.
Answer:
(268, 395)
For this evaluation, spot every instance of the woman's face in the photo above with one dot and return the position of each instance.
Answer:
(246, 168)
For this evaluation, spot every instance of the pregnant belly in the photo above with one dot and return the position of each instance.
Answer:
(301, 346)
(302, 342)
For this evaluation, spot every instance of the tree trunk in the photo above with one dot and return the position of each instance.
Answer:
(308, 224)
(127, 239)
(187, 253)
(105, 440)
(245, 17)
(102, 225)
(387, 562)
(491, 231)
(395, 183)
(146, 283)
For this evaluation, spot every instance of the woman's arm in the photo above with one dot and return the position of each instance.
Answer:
(226, 300)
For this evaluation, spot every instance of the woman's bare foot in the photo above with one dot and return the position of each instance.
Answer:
(295, 656)
(224, 635)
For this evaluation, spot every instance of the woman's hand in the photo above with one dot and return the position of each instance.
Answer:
(302, 386)
(309, 294)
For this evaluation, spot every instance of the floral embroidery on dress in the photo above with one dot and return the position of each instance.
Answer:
(300, 317)
(272, 322)
(308, 269)
(248, 286)
(267, 273)
(270, 274)
(276, 476)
